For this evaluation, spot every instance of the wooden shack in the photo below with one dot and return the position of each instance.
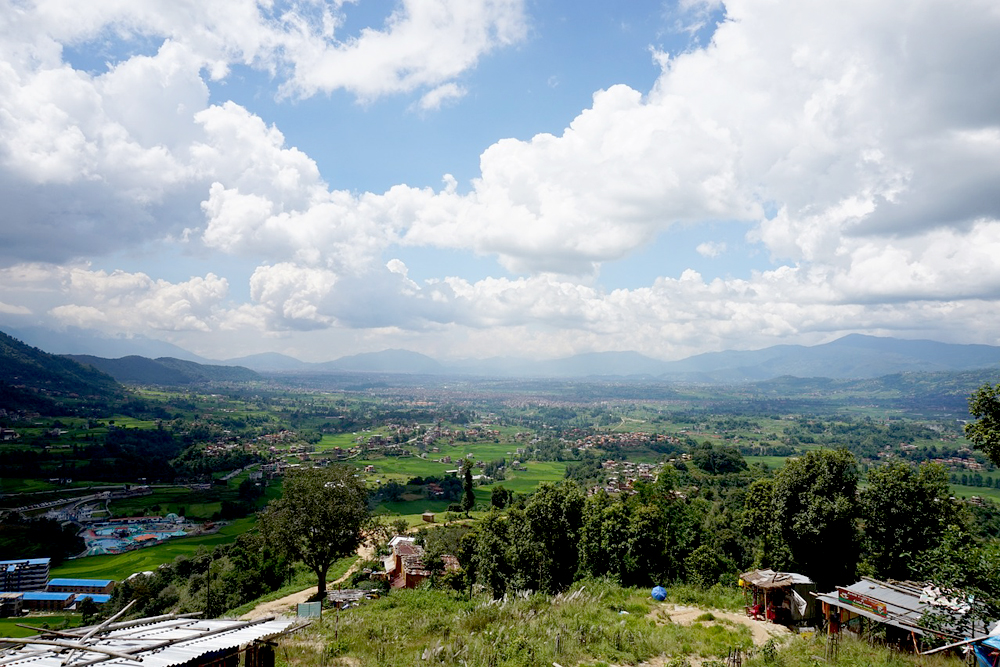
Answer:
(781, 597)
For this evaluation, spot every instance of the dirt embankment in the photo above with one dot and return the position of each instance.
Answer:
(762, 631)
(286, 606)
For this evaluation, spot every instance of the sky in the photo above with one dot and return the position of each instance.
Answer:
(481, 178)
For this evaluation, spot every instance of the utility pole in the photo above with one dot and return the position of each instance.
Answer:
(208, 589)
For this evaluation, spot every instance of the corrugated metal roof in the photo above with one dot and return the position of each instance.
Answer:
(26, 561)
(80, 582)
(161, 644)
(41, 595)
(903, 606)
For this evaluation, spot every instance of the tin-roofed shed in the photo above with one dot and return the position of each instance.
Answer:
(783, 597)
(899, 605)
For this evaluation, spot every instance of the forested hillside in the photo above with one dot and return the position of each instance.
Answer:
(31, 378)
(165, 371)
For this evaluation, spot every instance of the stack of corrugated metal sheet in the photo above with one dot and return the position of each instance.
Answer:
(159, 642)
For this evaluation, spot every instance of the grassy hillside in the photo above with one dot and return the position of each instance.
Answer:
(595, 623)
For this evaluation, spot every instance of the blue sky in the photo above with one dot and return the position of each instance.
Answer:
(471, 178)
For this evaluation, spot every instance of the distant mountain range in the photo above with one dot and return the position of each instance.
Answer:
(854, 356)
(165, 371)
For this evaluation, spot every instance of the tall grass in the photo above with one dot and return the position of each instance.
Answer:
(715, 597)
(595, 621)
(852, 652)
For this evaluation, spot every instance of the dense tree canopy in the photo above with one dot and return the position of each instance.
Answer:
(816, 509)
(906, 510)
(717, 459)
(22, 537)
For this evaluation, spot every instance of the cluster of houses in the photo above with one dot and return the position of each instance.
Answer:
(25, 586)
(622, 475)
(222, 447)
(955, 462)
(415, 434)
(632, 439)
(19, 415)
(278, 438)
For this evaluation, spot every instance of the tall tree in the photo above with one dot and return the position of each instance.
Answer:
(319, 517)
(468, 496)
(485, 553)
(760, 527)
(984, 405)
(905, 511)
(555, 516)
(816, 510)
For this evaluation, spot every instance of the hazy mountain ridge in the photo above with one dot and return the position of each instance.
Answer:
(165, 371)
(386, 361)
(855, 356)
(268, 362)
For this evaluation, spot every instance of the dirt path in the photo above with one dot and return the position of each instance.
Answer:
(762, 631)
(287, 605)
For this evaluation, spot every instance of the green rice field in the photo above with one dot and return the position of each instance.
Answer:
(960, 491)
(9, 626)
(772, 462)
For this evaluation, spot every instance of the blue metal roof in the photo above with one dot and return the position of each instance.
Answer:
(81, 583)
(98, 598)
(38, 595)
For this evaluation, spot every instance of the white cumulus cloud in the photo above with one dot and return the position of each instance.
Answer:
(858, 144)
(710, 248)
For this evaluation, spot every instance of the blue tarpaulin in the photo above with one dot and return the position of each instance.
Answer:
(987, 652)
